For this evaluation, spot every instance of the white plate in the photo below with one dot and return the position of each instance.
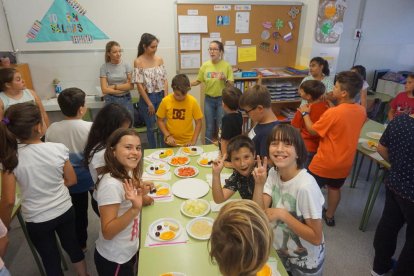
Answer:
(374, 135)
(204, 165)
(151, 169)
(156, 154)
(183, 167)
(177, 165)
(163, 221)
(207, 220)
(195, 203)
(191, 150)
(190, 188)
(365, 146)
(158, 186)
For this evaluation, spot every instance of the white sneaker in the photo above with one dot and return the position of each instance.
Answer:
(373, 273)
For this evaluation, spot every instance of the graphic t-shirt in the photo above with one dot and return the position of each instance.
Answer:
(403, 104)
(210, 74)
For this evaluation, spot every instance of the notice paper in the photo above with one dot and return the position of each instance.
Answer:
(192, 24)
(190, 61)
(190, 42)
(230, 54)
(242, 22)
(245, 54)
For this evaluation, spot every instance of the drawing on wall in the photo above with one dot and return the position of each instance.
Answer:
(65, 21)
(329, 25)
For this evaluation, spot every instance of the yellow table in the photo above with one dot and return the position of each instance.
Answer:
(191, 258)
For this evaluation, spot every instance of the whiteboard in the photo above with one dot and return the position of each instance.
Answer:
(119, 20)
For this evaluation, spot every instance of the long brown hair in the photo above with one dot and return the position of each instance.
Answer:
(6, 76)
(112, 164)
(18, 123)
(108, 49)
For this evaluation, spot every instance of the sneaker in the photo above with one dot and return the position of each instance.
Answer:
(373, 273)
(329, 221)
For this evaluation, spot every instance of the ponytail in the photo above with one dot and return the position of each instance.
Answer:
(146, 40)
(18, 123)
(324, 63)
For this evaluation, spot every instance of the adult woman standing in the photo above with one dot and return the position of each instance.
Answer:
(151, 79)
(115, 78)
(216, 74)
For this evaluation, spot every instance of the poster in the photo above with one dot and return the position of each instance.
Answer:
(329, 24)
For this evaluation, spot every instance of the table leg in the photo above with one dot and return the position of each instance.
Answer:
(369, 170)
(355, 177)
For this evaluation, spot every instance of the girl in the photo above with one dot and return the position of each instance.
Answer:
(241, 239)
(361, 98)
(319, 70)
(42, 171)
(151, 79)
(404, 101)
(216, 74)
(13, 91)
(119, 196)
(115, 78)
(296, 202)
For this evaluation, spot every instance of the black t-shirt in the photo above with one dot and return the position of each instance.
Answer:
(231, 125)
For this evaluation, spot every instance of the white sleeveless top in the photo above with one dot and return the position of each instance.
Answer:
(7, 101)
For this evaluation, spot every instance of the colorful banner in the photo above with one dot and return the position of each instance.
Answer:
(65, 21)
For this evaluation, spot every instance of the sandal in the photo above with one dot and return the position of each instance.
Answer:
(329, 221)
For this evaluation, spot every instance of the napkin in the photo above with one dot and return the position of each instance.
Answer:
(223, 177)
(182, 239)
(215, 207)
(167, 198)
(147, 176)
(272, 262)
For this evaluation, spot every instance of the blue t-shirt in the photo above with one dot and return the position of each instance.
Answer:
(259, 136)
(398, 138)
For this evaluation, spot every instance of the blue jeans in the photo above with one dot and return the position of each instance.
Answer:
(155, 98)
(213, 113)
(124, 100)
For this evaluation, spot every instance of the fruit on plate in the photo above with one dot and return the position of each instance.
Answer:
(265, 271)
(167, 235)
(172, 226)
(186, 171)
(372, 145)
(166, 153)
(201, 228)
(162, 191)
(190, 150)
(161, 171)
(206, 162)
(194, 207)
(179, 160)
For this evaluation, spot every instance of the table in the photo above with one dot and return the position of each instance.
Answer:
(381, 167)
(191, 258)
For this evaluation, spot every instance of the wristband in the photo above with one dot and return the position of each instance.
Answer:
(304, 113)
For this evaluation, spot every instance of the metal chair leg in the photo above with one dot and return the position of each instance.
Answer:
(369, 170)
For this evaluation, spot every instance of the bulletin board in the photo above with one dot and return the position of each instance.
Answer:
(275, 51)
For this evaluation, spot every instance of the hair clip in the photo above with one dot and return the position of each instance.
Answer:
(5, 121)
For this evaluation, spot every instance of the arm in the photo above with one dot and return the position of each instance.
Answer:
(219, 194)
(41, 107)
(168, 138)
(383, 151)
(69, 175)
(1, 109)
(166, 81)
(195, 83)
(391, 114)
(125, 86)
(307, 120)
(310, 231)
(197, 129)
(108, 89)
(364, 98)
(223, 147)
(3, 246)
(8, 196)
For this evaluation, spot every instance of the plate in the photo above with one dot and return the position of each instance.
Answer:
(179, 160)
(162, 154)
(200, 228)
(192, 150)
(168, 229)
(194, 208)
(157, 168)
(162, 189)
(190, 188)
(204, 161)
(369, 145)
(186, 171)
(374, 135)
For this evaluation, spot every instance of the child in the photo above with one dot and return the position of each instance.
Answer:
(240, 152)
(3, 246)
(311, 91)
(296, 203)
(13, 91)
(361, 98)
(256, 102)
(397, 147)
(42, 171)
(73, 133)
(119, 196)
(241, 238)
(319, 70)
(176, 114)
(404, 101)
(338, 128)
(232, 122)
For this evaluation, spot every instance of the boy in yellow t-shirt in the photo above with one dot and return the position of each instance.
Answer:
(176, 113)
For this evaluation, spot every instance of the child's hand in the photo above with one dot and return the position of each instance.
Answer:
(260, 172)
(304, 108)
(133, 194)
(275, 214)
(147, 186)
(170, 141)
(218, 164)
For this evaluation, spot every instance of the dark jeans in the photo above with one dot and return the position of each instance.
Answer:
(213, 113)
(397, 211)
(108, 268)
(43, 238)
(155, 98)
(80, 205)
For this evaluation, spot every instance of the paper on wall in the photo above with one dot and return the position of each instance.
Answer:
(192, 24)
(230, 54)
(190, 42)
(192, 12)
(242, 22)
(246, 41)
(205, 43)
(245, 54)
(190, 61)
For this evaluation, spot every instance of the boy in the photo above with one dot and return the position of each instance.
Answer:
(256, 102)
(310, 91)
(241, 153)
(176, 113)
(232, 122)
(338, 128)
(73, 133)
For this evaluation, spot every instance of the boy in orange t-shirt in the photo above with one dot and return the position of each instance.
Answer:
(338, 128)
(311, 91)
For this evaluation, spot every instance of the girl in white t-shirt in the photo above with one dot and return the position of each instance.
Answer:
(119, 196)
(295, 202)
(43, 172)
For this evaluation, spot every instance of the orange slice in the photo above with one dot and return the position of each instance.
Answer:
(204, 161)
(167, 235)
(159, 171)
(162, 191)
(265, 271)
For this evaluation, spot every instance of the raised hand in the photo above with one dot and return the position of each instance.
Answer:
(260, 172)
(218, 164)
(133, 194)
(304, 108)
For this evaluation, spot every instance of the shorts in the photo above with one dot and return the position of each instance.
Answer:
(331, 183)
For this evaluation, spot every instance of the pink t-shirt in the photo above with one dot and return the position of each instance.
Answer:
(403, 104)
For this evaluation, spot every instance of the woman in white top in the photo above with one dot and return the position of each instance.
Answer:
(151, 79)
(43, 172)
